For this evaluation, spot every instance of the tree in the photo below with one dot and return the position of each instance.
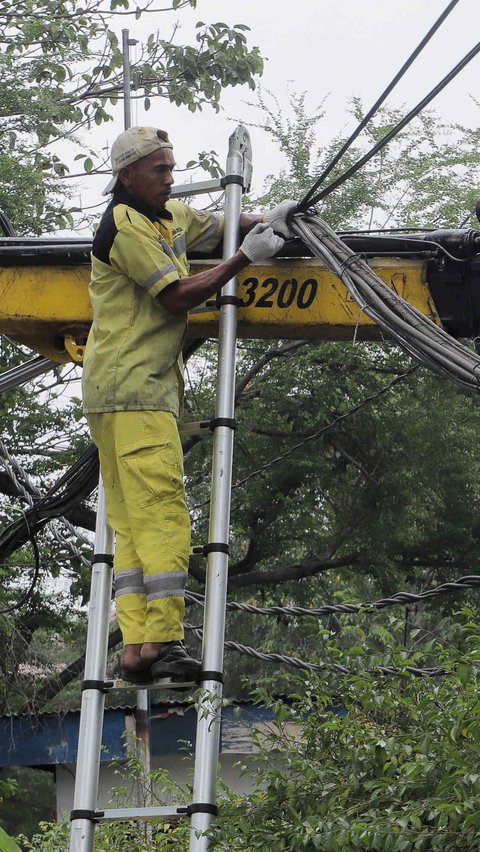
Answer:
(343, 482)
(426, 177)
(31, 801)
(61, 72)
(348, 762)
(350, 469)
(41, 581)
(368, 763)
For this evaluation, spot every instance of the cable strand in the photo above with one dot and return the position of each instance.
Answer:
(363, 123)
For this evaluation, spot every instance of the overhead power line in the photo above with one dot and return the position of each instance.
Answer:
(310, 200)
(305, 665)
(74, 486)
(306, 200)
(25, 372)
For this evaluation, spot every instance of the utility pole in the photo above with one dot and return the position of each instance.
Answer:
(127, 83)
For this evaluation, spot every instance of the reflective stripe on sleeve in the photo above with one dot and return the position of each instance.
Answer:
(150, 282)
(180, 245)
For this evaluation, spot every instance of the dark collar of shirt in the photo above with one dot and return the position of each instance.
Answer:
(124, 197)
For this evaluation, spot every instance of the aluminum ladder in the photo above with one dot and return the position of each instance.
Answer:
(203, 808)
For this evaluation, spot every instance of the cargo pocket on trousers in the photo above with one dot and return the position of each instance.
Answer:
(151, 473)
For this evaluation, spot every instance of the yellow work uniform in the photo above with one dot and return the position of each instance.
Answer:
(133, 393)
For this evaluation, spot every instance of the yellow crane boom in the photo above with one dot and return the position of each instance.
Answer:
(44, 300)
(48, 309)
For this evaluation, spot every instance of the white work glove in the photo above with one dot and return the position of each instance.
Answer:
(261, 243)
(277, 218)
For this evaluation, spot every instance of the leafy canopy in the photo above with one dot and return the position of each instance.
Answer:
(61, 70)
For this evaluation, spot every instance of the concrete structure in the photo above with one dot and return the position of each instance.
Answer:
(49, 741)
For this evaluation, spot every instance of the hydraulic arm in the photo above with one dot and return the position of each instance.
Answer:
(44, 290)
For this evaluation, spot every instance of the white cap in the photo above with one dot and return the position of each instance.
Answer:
(132, 145)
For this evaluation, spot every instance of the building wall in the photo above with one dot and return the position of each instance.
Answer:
(179, 768)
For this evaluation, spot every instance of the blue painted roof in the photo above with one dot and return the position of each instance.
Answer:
(52, 738)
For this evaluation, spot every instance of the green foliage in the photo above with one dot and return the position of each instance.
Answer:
(349, 762)
(399, 771)
(36, 444)
(115, 837)
(340, 458)
(155, 788)
(62, 72)
(8, 844)
(350, 483)
(8, 789)
(427, 176)
(352, 480)
(31, 800)
(346, 486)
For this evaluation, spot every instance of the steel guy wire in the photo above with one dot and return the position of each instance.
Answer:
(471, 581)
(296, 662)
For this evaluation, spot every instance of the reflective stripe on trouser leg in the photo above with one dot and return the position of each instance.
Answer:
(131, 604)
(130, 593)
(165, 602)
(149, 461)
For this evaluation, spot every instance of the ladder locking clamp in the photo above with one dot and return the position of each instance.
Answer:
(202, 808)
(229, 422)
(219, 301)
(101, 685)
(225, 181)
(92, 816)
(215, 547)
(105, 558)
(210, 675)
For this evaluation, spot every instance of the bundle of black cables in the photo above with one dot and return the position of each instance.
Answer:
(415, 332)
(76, 484)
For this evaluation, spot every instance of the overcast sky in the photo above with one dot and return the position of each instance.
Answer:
(325, 48)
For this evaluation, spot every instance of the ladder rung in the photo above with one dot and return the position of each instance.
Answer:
(122, 814)
(197, 427)
(201, 186)
(205, 308)
(197, 550)
(161, 683)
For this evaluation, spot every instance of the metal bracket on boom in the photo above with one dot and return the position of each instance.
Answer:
(240, 145)
(74, 349)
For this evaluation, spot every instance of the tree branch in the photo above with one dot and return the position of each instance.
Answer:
(57, 682)
(309, 568)
(279, 352)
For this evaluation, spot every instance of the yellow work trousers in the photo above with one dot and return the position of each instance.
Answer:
(141, 461)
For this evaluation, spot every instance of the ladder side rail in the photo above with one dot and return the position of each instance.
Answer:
(209, 706)
(93, 693)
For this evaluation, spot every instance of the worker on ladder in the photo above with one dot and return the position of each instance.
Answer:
(141, 291)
